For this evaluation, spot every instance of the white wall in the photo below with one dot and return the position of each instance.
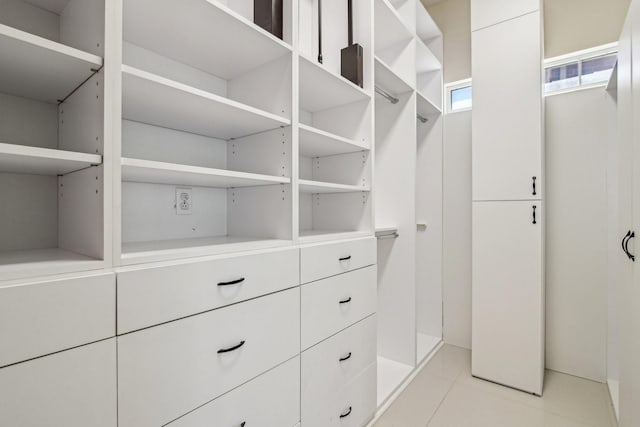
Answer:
(457, 229)
(577, 129)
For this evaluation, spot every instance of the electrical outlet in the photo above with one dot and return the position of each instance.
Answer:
(184, 201)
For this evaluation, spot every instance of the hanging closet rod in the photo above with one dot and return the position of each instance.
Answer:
(388, 236)
(422, 119)
(386, 95)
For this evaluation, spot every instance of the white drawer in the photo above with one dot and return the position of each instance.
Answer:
(271, 400)
(74, 388)
(43, 317)
(150, 296)
(324, 368)
(168, 370)
(329, 259)
(352, 406)
(332, 304)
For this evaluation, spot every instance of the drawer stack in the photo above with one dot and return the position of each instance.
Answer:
(58, 357)
(338, 333)
(210, 341)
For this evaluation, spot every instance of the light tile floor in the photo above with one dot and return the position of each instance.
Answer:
(444, 394)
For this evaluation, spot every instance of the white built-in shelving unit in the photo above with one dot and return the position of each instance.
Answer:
(53, 154)
(408, 145)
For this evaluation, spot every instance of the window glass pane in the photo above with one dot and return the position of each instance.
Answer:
(597, 70)
(562, 77)
(461, 98)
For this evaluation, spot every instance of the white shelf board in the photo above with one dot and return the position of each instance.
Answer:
(206, 35)
(389, 27)
(320, 89)
(140, 252)
(388, 80)
(312, 236)
(390, 375)
(155, 100)
(43, 161)
(317, 187)
(426, 27)
(382, 231)
(41, 69)
(137, 170)
(426, 60)
(318, 143)
(33, 262)
(426, 108)
(425, 345)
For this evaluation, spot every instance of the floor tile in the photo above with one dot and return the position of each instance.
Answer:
(449, 362)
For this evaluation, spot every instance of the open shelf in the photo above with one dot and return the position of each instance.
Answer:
(390, 28)
(43, 161)
(390, 375)
(426, 60)
(137, 170)
(184, 30)
(312, 236)
(320, 89)
(37, 68)
(318, 143)
(316, 187)
(426, 108)
(388, 80)
(32, 262)
(155, 100)
(139, 252)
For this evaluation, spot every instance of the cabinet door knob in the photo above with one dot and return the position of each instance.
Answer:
(346, 414)
(534, 214)
(346, 258)
(347, 357)
(534, 186)
(345, 301)
(233, 282)
(235, 347)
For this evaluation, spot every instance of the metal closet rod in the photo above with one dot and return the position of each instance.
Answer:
(392, 99)
(422, 118)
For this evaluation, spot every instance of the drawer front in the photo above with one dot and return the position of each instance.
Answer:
(352, 406)
(39, 318)
(271, 400)
(152, 296)
(329, 259)
(74, 388)
(168, 370)
(324, 368)
(330, 305)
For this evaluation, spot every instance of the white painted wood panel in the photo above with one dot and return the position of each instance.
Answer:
(43, 161)
(75, 388)
(508, 294)
(45, 316)
(507, 110)
(270, 400)
(155, 294)
(485, 13)
(168, 370)
(324, 260)
(331, 305)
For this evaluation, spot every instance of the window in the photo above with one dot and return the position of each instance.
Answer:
(459, 96)
(580, 69)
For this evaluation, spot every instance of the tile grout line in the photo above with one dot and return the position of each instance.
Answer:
(453, 383)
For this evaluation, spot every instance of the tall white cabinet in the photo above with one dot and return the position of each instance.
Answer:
(508, 194)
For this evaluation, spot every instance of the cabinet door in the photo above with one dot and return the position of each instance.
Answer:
(507, 110)
(490, 12)
(508, 294)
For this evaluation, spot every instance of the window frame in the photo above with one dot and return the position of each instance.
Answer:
(577, 57)
(450, 87)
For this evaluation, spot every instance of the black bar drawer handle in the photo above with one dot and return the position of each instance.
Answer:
(233, 282)
(347, 258)
(624, 241)
(345, 301)
(534, 214)
(346, 414)
(631, 256)
(347, 357)
(534, 185)
(235, 347)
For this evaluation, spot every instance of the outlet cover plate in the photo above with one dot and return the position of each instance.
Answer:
(184, 201)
